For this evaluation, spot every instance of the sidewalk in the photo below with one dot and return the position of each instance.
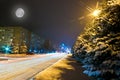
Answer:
(65, 69)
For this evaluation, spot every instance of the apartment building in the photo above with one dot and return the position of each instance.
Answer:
(19, 40)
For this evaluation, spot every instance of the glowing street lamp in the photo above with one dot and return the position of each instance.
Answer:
(7, 49)
(96, 12)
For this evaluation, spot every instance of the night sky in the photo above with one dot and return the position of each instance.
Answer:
(57, 20)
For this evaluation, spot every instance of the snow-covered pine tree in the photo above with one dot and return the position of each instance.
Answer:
(99, 46)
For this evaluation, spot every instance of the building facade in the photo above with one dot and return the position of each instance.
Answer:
(18, 40)
(36, 43)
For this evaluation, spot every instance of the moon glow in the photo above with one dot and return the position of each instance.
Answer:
(19, 13)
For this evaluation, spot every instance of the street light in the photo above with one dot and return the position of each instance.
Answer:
(7, 49)
(96, 12)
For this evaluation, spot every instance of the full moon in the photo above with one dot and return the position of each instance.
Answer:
(19, 13)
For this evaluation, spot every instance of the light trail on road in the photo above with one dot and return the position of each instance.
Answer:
(25, 69)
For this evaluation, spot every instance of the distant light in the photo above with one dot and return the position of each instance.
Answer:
(19, 13)
(7, 48)
(96, 12)
(35, 51)
(68, 50)
(63, 44)
(41, 50)
(30, 50)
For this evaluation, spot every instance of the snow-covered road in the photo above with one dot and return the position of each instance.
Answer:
(24, 69)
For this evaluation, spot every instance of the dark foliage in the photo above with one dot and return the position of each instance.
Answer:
(98, 48)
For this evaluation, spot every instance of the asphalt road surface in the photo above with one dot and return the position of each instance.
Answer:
(26, 68)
